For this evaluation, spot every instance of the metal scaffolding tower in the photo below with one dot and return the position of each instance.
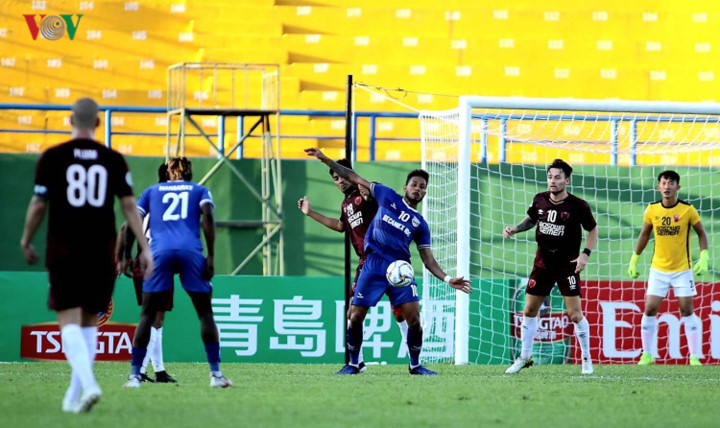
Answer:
(251, 94)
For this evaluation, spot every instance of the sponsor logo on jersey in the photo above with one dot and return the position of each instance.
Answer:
(393, 205)
(356, 219)
(668, 230)
(564, 215)
(540, 211)
(551, 229)
(396, 224)
(676, 218)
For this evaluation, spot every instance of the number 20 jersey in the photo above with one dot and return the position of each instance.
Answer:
(175, 220)
(80, 180)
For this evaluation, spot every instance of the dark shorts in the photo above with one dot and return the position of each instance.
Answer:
(542, 281)
(83, 280)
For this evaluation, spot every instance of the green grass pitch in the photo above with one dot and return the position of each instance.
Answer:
(311, 395)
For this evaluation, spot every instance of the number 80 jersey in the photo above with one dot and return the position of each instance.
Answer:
(80, 180)
(174, 209)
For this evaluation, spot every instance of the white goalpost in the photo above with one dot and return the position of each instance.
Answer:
(487, 160)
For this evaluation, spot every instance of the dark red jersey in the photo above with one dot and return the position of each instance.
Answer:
(80, 180)
(558, 227)
(356, 215)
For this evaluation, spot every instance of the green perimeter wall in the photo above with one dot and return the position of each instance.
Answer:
(310, 248)
(261, 319)
(617, 195)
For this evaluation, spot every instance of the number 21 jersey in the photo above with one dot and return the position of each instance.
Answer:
(175, 208)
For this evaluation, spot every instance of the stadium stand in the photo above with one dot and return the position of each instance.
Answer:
(121, 51)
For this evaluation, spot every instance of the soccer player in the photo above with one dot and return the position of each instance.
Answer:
(357, 211)
(175, 210)
(670, 219)
(131, 268)
(78, 181)
(559, 217)
(396, 224)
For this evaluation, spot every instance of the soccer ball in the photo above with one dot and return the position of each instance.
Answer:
(400, 273)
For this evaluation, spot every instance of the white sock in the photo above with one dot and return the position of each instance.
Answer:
(157, 351)
(91, 340)
(403, 330)
(527, 335)
(75, 388)
(148, 353)
(76, 352)
(692, 334)
(582, 333)
(649, 333)
(360, 356)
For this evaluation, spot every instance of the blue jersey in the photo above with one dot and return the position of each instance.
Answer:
(395, 225)
(175, 220)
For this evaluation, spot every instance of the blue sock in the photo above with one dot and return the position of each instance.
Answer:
(138, 355)
(213, 356)
(414, 343)
(354, 344)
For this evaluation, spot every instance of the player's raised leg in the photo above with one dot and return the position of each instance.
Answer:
(528, 329)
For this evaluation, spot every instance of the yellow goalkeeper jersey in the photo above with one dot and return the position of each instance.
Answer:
(672, 234)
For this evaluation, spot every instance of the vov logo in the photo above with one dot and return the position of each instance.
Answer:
(52, 27)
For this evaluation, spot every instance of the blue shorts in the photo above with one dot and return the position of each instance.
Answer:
(189, 264)
(372, 284)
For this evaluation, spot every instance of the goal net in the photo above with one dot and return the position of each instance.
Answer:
(488, 158)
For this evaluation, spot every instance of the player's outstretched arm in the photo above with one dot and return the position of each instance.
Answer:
(432, 265)
(524, 225)
(701, 266)
(33, 219)
(330, 223)
(642, 242)
(134, 222)
(208, 226)
(346, 173)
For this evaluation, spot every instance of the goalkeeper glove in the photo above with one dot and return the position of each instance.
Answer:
(632, 269)
(702, 264)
